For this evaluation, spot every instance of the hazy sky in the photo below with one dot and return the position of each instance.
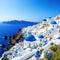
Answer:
(30, 10)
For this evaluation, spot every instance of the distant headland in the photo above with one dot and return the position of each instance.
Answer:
(19, 22)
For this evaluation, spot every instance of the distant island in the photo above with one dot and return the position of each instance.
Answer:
(19, 22)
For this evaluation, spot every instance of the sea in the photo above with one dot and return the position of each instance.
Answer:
(9, 30)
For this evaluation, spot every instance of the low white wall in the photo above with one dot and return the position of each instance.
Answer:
(25, 56)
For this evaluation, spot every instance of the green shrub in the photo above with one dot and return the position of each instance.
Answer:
(54, 48)
(5, 58)
(41, 51)
(52, 43)
(55, 53)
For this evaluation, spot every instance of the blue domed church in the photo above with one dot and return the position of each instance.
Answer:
(30, 41)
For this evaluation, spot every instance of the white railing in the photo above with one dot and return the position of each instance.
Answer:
(25, 56)
(4, 54)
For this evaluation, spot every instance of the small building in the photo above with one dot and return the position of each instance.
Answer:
(21, 43)
(57, 40)
(30, 41)
(41, 39)
(53, 23)
(44, 21)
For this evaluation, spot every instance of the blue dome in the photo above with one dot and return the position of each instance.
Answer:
(50, 17)
(58, 37)
(45, 42)
(21, 40)
(40, 36)
(44, 20)
(49, 55)
(53, 22)
(30, 38)
(37, 55)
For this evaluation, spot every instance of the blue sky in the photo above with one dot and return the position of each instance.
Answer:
(29, 10)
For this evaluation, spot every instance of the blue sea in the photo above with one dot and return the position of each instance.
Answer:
(9, 30)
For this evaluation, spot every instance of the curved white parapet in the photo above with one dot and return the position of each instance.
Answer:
(25, 56)
(57, 41)
(4, 54)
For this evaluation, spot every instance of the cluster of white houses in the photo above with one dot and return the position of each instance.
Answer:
(39, 39)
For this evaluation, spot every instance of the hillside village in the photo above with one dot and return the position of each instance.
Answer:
(41, 42)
